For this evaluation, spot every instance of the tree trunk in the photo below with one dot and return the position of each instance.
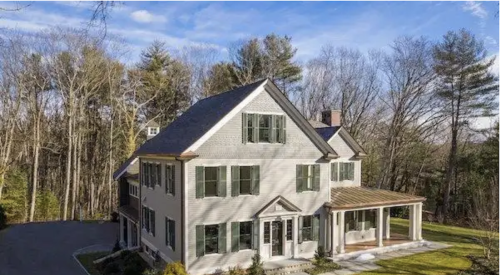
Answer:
(68, 166)
(36, 153)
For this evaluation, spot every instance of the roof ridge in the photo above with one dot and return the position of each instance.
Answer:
(233, 90)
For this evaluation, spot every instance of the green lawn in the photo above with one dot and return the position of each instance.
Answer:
(445, 261)
(87, 261)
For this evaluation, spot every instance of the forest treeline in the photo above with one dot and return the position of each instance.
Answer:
(73, 107)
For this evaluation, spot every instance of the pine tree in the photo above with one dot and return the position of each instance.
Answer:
(466, 89)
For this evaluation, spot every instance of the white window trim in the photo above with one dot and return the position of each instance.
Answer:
(153, 128)
(169, 219)
(264, 113)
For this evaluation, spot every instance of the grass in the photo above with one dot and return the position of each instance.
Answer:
(445, 261)
(87, 260)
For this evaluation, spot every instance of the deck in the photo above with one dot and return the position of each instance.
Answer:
(394, 240)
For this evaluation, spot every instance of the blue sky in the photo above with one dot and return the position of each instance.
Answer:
(363, 25)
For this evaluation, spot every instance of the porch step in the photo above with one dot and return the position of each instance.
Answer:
(285, 267)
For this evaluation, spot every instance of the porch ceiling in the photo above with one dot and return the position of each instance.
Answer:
(347, 198)
(130, 212)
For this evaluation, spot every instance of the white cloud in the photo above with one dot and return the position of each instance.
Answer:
(490, 40)
(144, 16)
(475, 9)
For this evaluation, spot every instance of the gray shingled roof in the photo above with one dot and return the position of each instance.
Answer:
(195, 122)
(327, 132)
(317, 124)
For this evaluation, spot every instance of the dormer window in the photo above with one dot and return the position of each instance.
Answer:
(263, 128)
(153, 131)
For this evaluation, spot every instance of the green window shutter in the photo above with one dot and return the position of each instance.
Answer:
(172, 233)
(222, 238)
(316, 177)
(299, 178)
(255, 180)
(167, 232)
(244, 123)
(272, 134)
(255, 234)
(335, 171)
(351, 171)
(255, 125)
(235, 236)
(153, 222)
(315, 228)
(222, 181)
(172, 186)
(200, 240)
(301, 221)
(235, 181)
(341, 171)
(200, 182)
(283, 129)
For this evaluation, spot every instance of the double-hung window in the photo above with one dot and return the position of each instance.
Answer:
(210, 239)
(308, 177)
(170, 179)
(309, 228)
(148, 220)
(133, 190)
(241, 236)
(341, 171)
(263, 128)
(245, 180)
(210, 181)
(170, 233)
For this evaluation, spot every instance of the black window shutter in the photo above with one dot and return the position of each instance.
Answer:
(172, 185)
(200, 240)
(235, 181)
(153, 221)
(222, 181)
(167, 232)
(200, 182)
(158, 172)
(255, 180)
(235, 236)
(172, 233)
(222, 238)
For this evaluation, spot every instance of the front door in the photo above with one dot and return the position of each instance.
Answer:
(277, 242)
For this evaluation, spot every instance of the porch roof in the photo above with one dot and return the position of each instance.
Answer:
(346, 198)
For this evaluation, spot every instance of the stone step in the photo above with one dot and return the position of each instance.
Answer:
(295, 268)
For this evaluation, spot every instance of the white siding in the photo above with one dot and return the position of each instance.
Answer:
(277, 177)
(164, 205)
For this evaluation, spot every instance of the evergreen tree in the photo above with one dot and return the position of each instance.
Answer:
(220, 79)
(466, 88)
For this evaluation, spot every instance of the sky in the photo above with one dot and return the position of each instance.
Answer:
(362, 25)
(311, 25)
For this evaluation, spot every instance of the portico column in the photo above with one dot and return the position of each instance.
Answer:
(333, 230)
(412, 219)
(341, 246)
(387, 223)
(295, 236)
(121, 228)
(380, 226)
(261, 235)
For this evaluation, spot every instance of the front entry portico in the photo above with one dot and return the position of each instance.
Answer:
(278, 227)
(361, 215)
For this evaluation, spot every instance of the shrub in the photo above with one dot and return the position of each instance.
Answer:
(257, 267)
(132, 270)
(151, 272)
(134, 262)
(125, 254)
(237, 270)
(320, 256)
(117, 246)
(3, 218)
(111, 268)
(114, 217)
(175, 268)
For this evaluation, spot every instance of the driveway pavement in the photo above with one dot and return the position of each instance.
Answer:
(47, 248)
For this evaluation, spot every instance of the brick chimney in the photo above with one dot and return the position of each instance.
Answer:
(331, 117)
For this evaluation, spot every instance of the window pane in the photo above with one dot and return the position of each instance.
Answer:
(245, 235)
(210, 188)
(267, 233)
(210, 173)
(245, 182)
(211, 239)
(307, 228)
(250, 128)
(264, 128)
(289, 230)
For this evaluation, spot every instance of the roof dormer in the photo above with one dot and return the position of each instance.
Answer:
(152, 129)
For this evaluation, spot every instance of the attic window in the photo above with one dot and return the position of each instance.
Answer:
(153, 131)
(263, 128)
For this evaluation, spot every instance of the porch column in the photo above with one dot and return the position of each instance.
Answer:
(295, 235)
(419, 221)
(121, 228)
(413, 222)
(387, 223)
(341, 246)
(380, 226)
(333, 231)
(129, 233)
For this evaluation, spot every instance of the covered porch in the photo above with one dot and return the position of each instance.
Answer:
(359, 219)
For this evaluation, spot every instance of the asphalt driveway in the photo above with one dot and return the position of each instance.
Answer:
(47, 248)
